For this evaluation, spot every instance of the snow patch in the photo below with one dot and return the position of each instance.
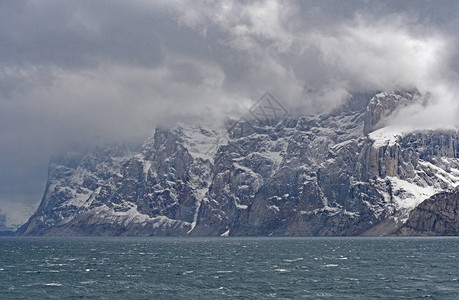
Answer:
(202, 142)
(132, 215)
(406, 196)
(226, 233)
(451, 179)
(387, 136)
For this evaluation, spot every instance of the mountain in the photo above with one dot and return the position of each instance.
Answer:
(347, 172)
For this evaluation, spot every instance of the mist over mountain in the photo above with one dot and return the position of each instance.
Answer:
(79, 75)
(346, 172)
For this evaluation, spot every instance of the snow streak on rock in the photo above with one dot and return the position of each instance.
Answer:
(343, 173)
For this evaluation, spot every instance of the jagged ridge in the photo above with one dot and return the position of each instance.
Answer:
(311, 175)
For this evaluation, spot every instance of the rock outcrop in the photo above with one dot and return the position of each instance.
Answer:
(384, 105)
(438, 215)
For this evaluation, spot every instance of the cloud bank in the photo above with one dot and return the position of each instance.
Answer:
(78, 73)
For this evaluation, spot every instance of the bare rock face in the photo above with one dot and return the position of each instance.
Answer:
(341, 173)
(116, 191)
(384, 104)
(438, 215)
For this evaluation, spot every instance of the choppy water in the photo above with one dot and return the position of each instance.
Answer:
(232, 268)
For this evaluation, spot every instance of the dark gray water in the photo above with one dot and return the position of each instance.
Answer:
(232, 268)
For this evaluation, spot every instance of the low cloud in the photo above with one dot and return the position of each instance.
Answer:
(387, 54)
(384, 54)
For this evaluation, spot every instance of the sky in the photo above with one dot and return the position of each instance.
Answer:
(78, 73)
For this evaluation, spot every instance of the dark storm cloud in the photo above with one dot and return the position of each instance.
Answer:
(76, 34)
(84, 72)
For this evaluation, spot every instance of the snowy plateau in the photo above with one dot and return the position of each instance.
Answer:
(335, 174)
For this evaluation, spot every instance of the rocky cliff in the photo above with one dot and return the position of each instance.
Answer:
(438, 215)
(342, 173)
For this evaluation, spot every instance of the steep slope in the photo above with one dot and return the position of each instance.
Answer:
(343, 173)
(119, 192)
(438, 215)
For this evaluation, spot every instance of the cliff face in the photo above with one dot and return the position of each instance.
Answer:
(438, 215)
(312, 175)
(296, 178)
(385, 104)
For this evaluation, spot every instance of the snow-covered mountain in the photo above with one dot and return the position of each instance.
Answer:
(342, 173)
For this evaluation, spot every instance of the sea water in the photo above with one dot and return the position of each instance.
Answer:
(229, 268)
